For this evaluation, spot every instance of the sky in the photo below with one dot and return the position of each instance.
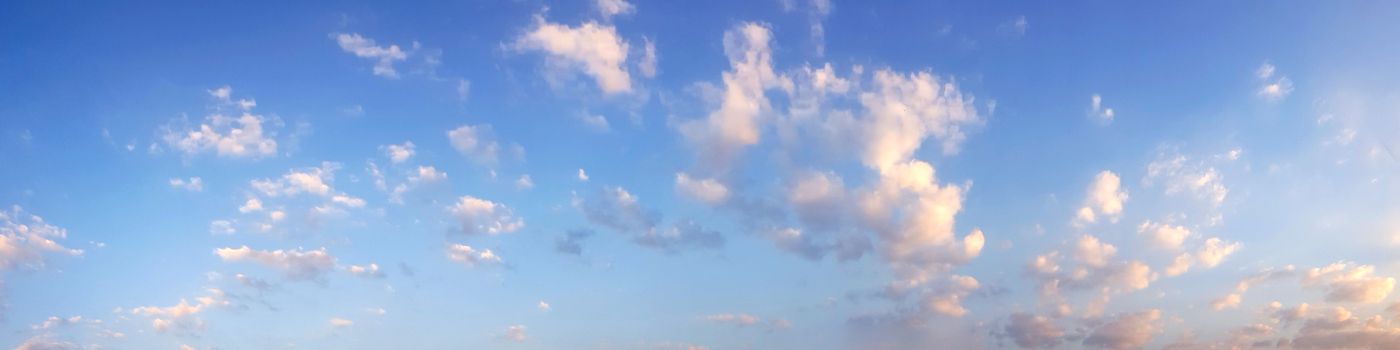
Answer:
(772, 174)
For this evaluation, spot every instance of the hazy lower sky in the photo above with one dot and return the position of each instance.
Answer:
(770, 174)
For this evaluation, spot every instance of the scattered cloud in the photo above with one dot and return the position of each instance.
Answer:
(232, 130)
(471, 256)
(479, 216)
(296, 265)
(591, 48)
(384, 57)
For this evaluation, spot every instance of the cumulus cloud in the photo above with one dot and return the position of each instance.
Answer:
(591, 48)
(478, 142)
(1273, 86)
(469, 256)
(193, 184)
(231, 131)
(736, 122)
(1125, 331)
(27, 241)
(295, 264)
(314, 181)
(366, 271)
(1094, 269)
(1210, 254)
(582, 176)
(183, 316)
(384, 57)
(572, 241)
(1034, 331)
(514, 333)
(1350, 283)
(647, 64)
(1228, 301)
(398, 153)
(707, 191)
(1104, 198)
(483, 216)
(1164, 235)
(610, 8)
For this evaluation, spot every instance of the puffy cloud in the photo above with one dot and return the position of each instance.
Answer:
(1095, 270)
(315, 181)
(1090, 251)
(524, 182)
(1104, 198)
(221, 227)
(384, 57)
(1034, 331)
(55, 322)
(1180, 174)
(592, 48)
(193, 184)
(1097, 109)
(227, 135)
(1274, 87)
(736, 122)
(1126, 331)
(514, 333)
(252, 205)
(1340, 329)
(819, 199)
(1231, 300)
(582, 176)
(708, 191)
(294, 264)
(471, 256)
(1350, 283)
(477, 142)
(398, 153)
(610, 8)
(483, 216)
(905, 109)
(1211, 253)
(1164, 235)
(367, 271)
(26, 240)
(543, 306)
(184, 315)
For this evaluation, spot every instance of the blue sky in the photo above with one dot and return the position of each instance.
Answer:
(784, 174)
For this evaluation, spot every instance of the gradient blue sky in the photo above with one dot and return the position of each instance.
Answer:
(784, 174)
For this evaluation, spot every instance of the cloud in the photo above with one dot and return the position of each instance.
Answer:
(1097, 109)
(591, 48)
(743, 320)
(647, 64)
(524, 182)
(221, 227)
(514, 333)
(366, 271)
(572, 241)
(384, 57)
(1228, 301)
(1180, 174)
(27, 241)
(478, 142)
(610, 8)
(295, 264)
(398, 153)
(582, 176)
(46, 342)
(314, 181)
(1104, 198)
(193, 184)
(1350, 283)
(1274, 87)
(618, 210)
(237, 135)
(707, 191)
(183, 316)
(1034, 331)
(1163, 235)
(1015, 27)
(543, 306)
(1090, 251)
(1126, 331)
(1209, 255)
(337, 322)
(471, 256)
(483, 216)
(735, 124)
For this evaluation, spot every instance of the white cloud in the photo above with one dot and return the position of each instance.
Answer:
(596, 122)
(184, 315)
(221, 227)
(592, 48)
(1097, 110)
(1275, 87)
(1181, 174)
(253, 204)
(610, 8)
(295, 264)
(524, 182)
(1350, 283)
(582, 176)
(193, 184)
(543, 306)
(367, 271)
(1034, 331)
(483, 216)
(477, 142)
(738, 320)
(1015, 27)
(1228, 301)
(736, 122)
(1164, 235)
(471, 256)
(241, 136)
(366, 48)
(337, 322)
(1103, 199)
(314, 181)
(464, 89)
(1090, 251)
(399, 153)
(26, 240)
(514, 333)
(647, 64)
(707, 191)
